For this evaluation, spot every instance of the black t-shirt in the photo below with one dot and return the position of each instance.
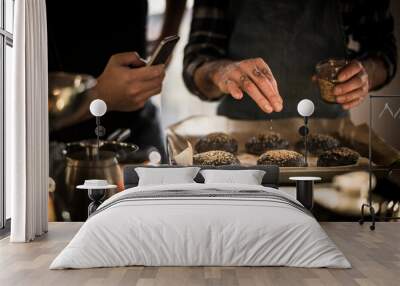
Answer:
(82, 36)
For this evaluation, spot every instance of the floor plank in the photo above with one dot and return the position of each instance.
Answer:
(375, 257)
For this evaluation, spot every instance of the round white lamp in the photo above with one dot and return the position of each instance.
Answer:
(154, 158)
(305, 108)
(98, 107)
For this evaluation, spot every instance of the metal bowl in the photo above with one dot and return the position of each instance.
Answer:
(67, 92)
(87, 150)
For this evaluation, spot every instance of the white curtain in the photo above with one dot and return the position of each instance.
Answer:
(27, 124)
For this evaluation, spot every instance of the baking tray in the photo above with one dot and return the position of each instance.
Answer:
(184, 134)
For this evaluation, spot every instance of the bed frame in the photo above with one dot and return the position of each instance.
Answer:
(270, 179)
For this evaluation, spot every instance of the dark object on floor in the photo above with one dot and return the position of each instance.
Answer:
(264, 142)
(217, 141)
(341, 156)
(282, 158)
(97, 198)
(305, 190)
(215, 158)
(318, 143)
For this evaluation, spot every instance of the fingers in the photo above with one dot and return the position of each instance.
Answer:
(268, 79)
(143, 97)
(248, 86)
(229, 86)
(266, 71)
(352, 104)
(254, 77)
(136, 88)
(258, 75)
(356, 82)
(139, 92)
(350, 70)
(147, 73)
(128, 59)
(354, 85)
(351, 96)
(233, 89)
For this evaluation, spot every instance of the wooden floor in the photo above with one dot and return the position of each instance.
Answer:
(375, 257)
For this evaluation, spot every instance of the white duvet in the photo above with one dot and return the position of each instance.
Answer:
(188, 231)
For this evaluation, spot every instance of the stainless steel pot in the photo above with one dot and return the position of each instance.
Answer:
(82, 163)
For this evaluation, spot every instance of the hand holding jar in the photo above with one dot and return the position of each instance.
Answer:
(343, 82)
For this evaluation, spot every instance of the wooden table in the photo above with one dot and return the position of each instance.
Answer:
(374, 255)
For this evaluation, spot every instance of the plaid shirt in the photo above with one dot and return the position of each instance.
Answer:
(368, 23)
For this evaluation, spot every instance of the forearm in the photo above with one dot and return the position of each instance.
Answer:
(173, 16)
(377, 72)
(371, 24)
(208, 42)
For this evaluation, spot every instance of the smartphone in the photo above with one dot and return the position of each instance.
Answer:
(163, 51)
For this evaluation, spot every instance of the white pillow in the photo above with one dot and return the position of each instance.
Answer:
(247, 177)
(165, 176)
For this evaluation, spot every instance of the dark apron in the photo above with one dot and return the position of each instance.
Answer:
(291, 36)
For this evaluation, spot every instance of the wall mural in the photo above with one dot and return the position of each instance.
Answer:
(256, 88)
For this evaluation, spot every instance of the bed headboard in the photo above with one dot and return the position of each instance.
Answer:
(270, 179)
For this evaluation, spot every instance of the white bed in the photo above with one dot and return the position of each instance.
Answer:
(201, 224)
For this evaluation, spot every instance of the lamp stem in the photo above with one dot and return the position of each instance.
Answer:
(305, 140)
(98, 137)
